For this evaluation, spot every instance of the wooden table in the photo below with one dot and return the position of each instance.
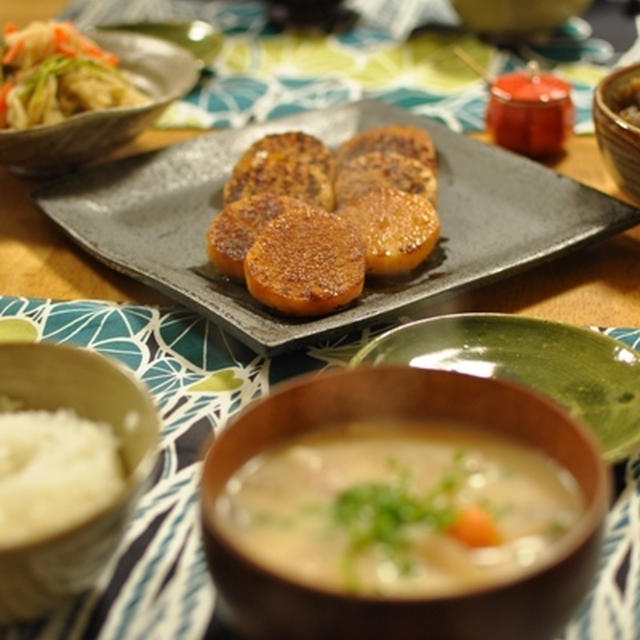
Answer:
(599, 285)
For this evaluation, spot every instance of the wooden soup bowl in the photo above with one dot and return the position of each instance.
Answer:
(535, 605)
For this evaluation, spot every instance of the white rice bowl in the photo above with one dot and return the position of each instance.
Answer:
(56, 470)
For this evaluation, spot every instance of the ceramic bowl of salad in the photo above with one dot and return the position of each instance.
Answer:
(396, 502)
(616, 115)
(69, 97)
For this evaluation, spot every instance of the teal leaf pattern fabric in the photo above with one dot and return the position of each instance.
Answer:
(263, 72)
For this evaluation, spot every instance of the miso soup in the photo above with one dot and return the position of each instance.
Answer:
(402, 510)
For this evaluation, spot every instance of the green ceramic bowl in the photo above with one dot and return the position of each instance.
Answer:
(37, 577)
(595, 377)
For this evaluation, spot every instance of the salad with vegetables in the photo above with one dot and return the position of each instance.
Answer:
(50, 71)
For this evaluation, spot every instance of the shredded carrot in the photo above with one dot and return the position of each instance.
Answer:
(66, 50)
(60, 34)
(13, 51)
(10, 27)
(95, 51)
(110, 59)
(88, 46)
(4, 92)
(92, 49)
(475, 527)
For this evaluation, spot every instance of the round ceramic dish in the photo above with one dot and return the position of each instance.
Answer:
(261, 604)
(618, 139)
(37, 577)
(161, 69)
(596, 377)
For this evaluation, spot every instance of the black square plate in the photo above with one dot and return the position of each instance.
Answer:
(147, 216)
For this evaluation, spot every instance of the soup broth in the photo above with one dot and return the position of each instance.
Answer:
(402, 509)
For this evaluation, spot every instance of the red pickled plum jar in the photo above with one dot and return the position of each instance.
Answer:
(530, 112)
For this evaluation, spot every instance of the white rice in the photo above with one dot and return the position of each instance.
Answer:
(56, 470)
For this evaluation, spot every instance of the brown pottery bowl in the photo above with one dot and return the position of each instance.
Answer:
(618, 139)
(163, 70)
(535, 605)
(49, 570)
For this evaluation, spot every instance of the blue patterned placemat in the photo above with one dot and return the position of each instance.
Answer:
(262, 72)
(157, 585)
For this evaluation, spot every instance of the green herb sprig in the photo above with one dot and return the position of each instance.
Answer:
(55, 66)
(380, 513)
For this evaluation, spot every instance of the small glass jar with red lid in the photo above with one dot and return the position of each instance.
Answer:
(530, 112)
